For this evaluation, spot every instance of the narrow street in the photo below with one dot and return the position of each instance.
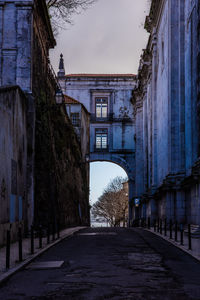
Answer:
(109, 263)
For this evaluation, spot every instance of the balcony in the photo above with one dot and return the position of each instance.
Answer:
(110, 118)
(98, 149)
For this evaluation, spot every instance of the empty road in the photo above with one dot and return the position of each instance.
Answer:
(108, 263)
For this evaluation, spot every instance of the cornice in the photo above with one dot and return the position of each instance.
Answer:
(144, 72)
(41, 9)
(154, 15)
(172, 182)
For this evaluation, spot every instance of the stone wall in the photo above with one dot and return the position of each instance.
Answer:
(55, 186)
(61, 186)
(14, 207)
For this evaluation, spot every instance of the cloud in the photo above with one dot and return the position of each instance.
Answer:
(108, 37)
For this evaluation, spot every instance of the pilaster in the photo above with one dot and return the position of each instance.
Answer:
(16, 43)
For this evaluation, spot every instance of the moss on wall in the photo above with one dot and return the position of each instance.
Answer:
(61, 184)
(60, 177)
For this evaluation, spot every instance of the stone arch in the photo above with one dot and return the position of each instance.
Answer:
(113, 159)
(124, 161)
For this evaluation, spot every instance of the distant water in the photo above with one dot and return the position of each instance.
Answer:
(99, 224)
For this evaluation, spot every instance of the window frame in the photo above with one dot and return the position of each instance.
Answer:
(101, 103)
(76, 121)
(102, 132)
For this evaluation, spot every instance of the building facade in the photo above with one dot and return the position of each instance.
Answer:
(112, 124)
(80, 119)
(167, 114)
(156, 136)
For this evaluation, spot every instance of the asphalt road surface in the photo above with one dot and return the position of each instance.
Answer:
(109, 263)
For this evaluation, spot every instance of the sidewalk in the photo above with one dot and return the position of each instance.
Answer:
(195, 242)
(15, 265)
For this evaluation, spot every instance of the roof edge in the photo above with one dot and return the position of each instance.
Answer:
(100, 75)
(74, 101)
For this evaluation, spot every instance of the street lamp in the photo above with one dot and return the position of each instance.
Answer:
(59, 97)
(87, 158)
(137, 202)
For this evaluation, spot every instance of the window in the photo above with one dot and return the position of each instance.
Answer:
(101, 138)
(163, 53)
(101, 107)
(75, 119)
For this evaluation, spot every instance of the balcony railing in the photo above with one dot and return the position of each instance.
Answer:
(97, 149)
(110, 118)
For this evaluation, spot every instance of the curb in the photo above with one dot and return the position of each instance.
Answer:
(4, 277)
(174, 244)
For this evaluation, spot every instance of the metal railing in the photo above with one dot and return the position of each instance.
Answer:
(180, 233)
(97, 149)
(110, 118)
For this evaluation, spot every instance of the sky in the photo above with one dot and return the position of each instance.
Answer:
(101, 173)
(106, 38)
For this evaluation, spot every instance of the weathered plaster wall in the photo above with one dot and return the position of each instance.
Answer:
(160, 87)
(191, 126)
(167, 97)
(13, 161)
(52, 155)
(15, 43)
(83, 128)
(85, 133)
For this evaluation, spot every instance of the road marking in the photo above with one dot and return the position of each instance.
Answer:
(98, 233)
(43, 265)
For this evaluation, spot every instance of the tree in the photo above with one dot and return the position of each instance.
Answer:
(61, 11)
(112, 205)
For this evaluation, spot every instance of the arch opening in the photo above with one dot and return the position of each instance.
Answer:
(102, 173)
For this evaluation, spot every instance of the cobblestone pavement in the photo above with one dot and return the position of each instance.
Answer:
(109, 263)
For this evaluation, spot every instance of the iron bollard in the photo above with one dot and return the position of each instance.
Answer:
(176, 230)
(189, 237)
(20, 243)
(8, 250)
(40, 236)
(165, 227)
(181, 230)
(160, 226)
(48, 234)
(149, 223)
(58, 230)
(170, 229)
(154, 225)
(32, 240)
(53, 232)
